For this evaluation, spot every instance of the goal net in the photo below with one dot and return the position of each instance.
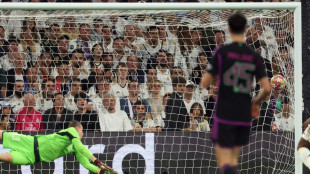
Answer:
(150, 48)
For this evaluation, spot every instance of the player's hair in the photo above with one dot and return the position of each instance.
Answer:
(74, 123)
(237, 23)
(177, 80)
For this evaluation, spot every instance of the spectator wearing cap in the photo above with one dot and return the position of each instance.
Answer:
(6, 117)
(177, 117)
(3, 43)
(88, 119)
(50, 45)
(58, 117)
(7, 60)
(83, 42)
(190, 98)
(29, 119)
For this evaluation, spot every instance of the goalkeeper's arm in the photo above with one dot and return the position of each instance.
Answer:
(86, 163)
(303, 147)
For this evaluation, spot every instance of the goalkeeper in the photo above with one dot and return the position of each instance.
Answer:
(28, 150)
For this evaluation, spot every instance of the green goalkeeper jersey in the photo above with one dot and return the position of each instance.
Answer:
(58, 144)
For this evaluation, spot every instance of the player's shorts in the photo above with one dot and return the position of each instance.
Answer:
(22, 147)
(229, 136)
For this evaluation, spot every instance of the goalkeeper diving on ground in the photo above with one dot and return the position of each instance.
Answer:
(26, 149)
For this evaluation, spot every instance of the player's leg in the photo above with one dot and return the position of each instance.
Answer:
(235, 157)
(224, 137)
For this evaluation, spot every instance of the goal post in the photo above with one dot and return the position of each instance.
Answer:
(295, 7)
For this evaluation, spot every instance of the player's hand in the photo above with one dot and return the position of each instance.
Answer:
(255, 110)
(107, 169)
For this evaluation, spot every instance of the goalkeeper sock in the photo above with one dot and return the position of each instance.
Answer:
(228, 169)
(236, 168)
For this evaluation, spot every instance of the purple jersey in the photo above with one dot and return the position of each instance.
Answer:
(235, 65)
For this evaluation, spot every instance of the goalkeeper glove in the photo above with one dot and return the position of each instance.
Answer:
(104, 167)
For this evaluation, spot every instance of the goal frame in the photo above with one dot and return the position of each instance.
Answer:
(295, 6)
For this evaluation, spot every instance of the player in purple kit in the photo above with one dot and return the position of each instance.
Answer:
(234, 66)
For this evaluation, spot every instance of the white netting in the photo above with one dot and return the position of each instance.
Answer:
(149, 48)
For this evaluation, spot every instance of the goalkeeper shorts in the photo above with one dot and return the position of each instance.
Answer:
(229, 136)
(22, 147)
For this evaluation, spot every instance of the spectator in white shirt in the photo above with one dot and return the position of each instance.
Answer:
(141, 123)
(44, 99)
(17, 99)
(120, 86)
(284, 120)
(83, 41)
(130, 38)
(7, 60)
(163, 71)
(75, 88)
(113, 119)
(190, 98)
(79, 67)
(197, 121)
(119, 53)
(107, 39)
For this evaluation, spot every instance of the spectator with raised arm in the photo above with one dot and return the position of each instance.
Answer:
(29, 119)
(113, 119)
(58, 117)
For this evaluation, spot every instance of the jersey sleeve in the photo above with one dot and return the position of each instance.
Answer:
(78, 145)
(260, 69)
(212, 66)
(85, 162)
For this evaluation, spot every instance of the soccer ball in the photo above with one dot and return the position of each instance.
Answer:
(277, 82)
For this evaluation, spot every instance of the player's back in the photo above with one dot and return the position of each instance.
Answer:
(55, 145)
(236, 64)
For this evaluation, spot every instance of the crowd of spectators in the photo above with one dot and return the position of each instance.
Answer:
(130, 73)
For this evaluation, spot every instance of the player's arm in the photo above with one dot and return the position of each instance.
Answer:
(206, 80)
(86, 163)
(264, 91)
(303, 147)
